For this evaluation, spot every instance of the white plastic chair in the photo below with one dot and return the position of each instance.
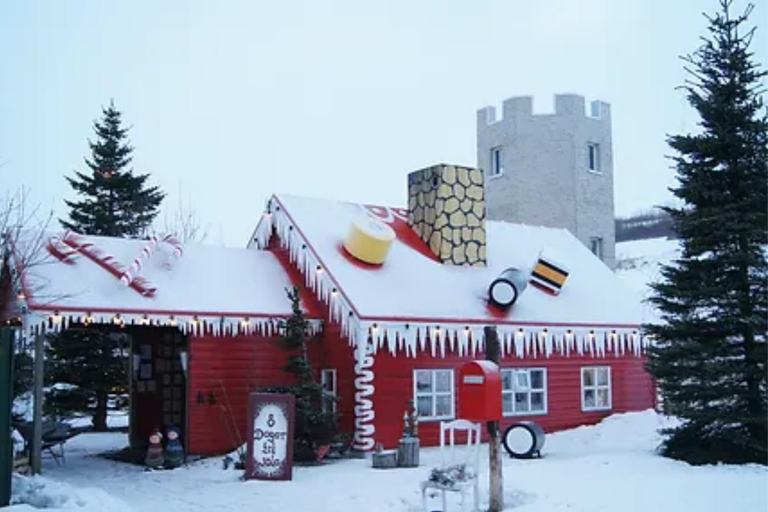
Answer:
(451, 455)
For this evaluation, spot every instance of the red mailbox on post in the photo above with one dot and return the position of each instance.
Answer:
(480, 391)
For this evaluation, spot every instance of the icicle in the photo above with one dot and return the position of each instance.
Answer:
(441, 340)
(519, 345)
(422, 339)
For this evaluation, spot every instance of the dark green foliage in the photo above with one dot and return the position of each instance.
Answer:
(710, 353)
(114, 201)
(23, 373)
(313, 427)
(84, 364)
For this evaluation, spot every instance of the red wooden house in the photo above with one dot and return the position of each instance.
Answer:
(398, 300)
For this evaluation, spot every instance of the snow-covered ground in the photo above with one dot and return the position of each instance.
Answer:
(608, 467)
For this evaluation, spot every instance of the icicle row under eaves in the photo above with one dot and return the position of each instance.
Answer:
(441, 340)
(39, 322)
(520, 342)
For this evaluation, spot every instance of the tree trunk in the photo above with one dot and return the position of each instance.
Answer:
(100, 413)
(496, 498)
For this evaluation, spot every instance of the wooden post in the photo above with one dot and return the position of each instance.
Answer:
(496, 498)
(36, 453)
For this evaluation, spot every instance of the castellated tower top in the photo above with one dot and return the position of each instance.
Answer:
(566, 105)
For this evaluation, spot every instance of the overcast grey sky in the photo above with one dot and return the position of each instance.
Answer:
(231, 101)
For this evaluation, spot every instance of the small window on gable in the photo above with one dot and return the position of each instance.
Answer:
(596, 246)
(496, 167)
(593, 157)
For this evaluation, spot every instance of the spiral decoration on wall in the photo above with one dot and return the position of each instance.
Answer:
(364, 414)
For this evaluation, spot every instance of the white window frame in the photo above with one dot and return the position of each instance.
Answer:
(599, 241)
(334, 388)
(496, 171)
(434, 394)
(512, 391)
(594, 146)
(595, 387)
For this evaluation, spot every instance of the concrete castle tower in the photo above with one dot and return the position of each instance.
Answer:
(552, 170)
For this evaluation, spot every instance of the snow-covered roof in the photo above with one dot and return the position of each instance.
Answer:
(412, 289)
(220, 286)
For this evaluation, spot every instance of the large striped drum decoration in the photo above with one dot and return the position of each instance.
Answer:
(505, 289)
(548, 275)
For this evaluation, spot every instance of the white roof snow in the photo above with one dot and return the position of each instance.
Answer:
(204, 280)
(411, 286)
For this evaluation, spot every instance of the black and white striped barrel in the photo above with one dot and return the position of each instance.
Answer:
(506, 288)
(524, 440)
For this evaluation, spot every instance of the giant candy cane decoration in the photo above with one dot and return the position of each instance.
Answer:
(60, 250)
(147, 251)
(105, 260)
(133, 271)
(364, 413)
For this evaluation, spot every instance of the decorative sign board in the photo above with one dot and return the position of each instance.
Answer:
(270, 436)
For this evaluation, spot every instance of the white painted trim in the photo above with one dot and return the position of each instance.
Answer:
(596, 387)
(545, 390)
(434, 394)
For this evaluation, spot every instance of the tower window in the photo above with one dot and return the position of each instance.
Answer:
(496, 168)
(593, 157)
(596, 246)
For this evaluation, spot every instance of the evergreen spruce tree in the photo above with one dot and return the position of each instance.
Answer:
(710, 353)
(313, 427)
(88, 363)
(114, 201)
(83, 366)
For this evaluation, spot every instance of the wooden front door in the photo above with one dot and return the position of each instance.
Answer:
(159, 385)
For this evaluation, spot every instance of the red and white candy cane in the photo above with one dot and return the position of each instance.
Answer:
(178, 249)
(60, 250)
(133, 271)
(106, 261)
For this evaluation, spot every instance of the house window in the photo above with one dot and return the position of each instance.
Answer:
(524, 391)
(596, 246)
(328, 382)
(593, 157)
(496, 168)
(595, 388)
(433, 394)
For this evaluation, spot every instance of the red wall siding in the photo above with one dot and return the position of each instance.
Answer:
(234, 367)
(230, 368)
(336, 354)
(632, 390)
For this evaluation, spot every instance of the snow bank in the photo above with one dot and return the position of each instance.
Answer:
(30, 493)
(627, 432)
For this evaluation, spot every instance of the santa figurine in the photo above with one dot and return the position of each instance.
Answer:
(174, 451)
(154, 458)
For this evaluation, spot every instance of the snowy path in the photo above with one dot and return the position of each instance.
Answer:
(609, 467)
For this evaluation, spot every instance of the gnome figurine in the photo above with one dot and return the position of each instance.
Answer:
(174, 451)
(154, 458)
